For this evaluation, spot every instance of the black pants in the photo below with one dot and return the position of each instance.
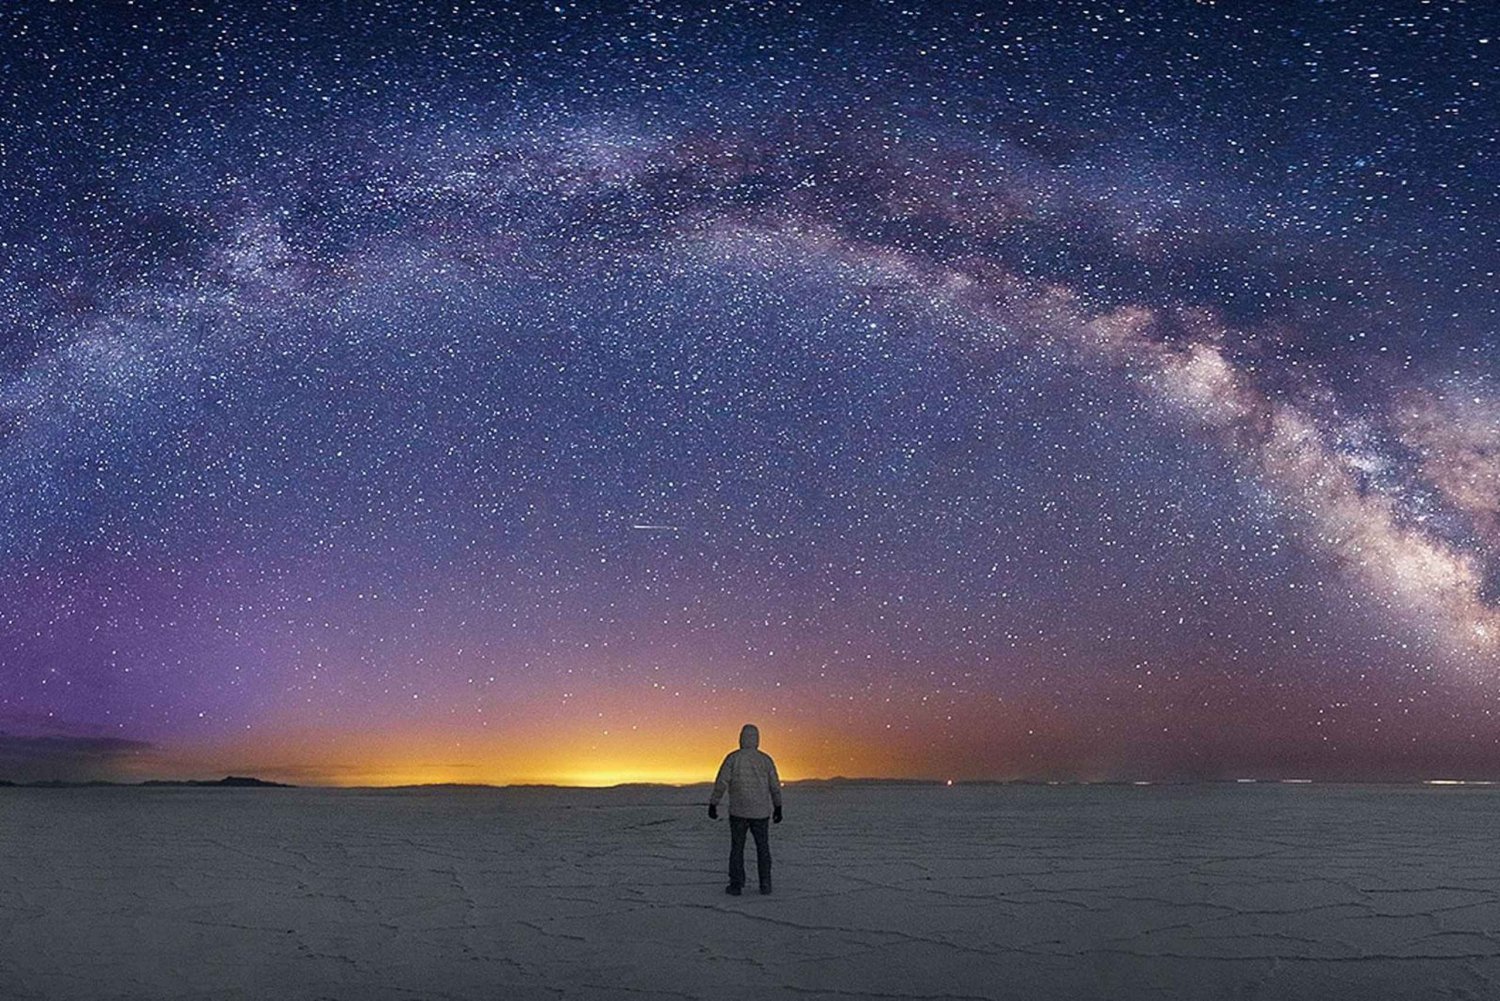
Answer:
(761, 828)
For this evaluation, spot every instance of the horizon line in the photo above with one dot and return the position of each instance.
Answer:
(233, 781)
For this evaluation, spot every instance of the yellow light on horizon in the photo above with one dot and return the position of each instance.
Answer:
(604, 778)
(657, 745)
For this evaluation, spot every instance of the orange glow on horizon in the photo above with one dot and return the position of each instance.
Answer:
(574, 756)
(416, 767)
(602, 739)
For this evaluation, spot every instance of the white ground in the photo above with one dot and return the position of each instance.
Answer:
(1283, 892)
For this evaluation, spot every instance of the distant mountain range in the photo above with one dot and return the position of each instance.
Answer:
(228, 781)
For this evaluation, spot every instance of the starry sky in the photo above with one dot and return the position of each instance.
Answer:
(470, 392)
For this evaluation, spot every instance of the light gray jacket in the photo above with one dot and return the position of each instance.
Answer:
(749, 777)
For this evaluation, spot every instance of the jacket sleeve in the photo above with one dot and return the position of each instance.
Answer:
(721, 783)
(775, 784)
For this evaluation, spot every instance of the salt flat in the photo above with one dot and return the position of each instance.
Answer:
(1210, 891)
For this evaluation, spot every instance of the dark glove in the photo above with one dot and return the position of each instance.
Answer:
(713, 811)
(776, 817)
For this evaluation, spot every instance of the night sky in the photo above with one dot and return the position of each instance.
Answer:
(399, 392)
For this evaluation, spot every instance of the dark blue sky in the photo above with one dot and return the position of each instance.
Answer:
(1064, 390)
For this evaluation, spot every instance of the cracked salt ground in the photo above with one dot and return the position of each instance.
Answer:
(1281, 892)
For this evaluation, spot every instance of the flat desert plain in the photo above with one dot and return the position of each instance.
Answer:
(1028, 892)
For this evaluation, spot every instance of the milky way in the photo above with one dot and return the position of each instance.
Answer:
(496, 393)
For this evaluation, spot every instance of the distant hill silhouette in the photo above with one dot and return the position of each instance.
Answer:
(238, 781)
(228, 781)
(847, 780)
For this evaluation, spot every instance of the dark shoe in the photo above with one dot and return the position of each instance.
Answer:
(765, 888)
(732, 890)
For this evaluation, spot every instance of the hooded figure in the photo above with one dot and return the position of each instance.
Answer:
(749, 777)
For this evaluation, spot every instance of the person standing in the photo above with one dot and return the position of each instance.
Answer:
(749, 777)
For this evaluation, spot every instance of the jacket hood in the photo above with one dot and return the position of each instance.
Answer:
(749, 735)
